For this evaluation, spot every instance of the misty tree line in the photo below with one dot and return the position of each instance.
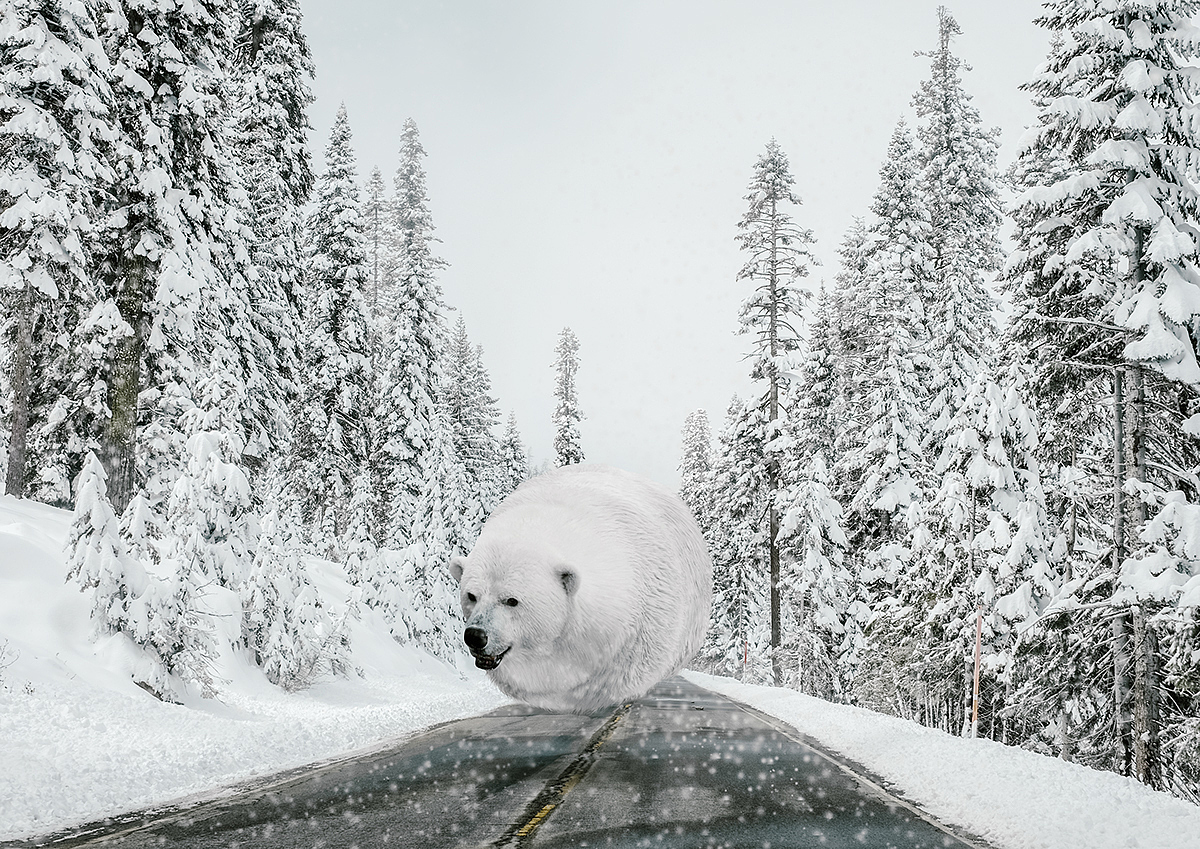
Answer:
(912, 471)
(223, 361)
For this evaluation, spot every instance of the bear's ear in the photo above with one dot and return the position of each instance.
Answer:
(456, 568)
(569, 578)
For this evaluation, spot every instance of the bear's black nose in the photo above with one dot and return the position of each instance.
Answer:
(476, 638)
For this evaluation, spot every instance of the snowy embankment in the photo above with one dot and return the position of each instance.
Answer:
(79, 741)
(1010, 797)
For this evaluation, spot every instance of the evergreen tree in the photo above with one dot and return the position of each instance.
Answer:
(514, 460)
(957, 158)
(695, 467)
(816, 581)
(473, 415)
(291, 633)
(96, 556)
(271, 93)
(56, 138)
(378, 227)
(1110, 209)
(881, 471)
(815, 389)
(331, 425)
(360, 539)
(778, 258)
(412, 326)
(173, 259)
(433, 618)
(567, 415)
(887, 461)
(738, 639)
(989, 551)
(854, 313)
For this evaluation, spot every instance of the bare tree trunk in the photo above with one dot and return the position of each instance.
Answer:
(21, 383)
(1066, 743)
(118, 441)
(1073, 522)
(1147, 763)
(1146, 750)
(1122, 685)
(773, 468)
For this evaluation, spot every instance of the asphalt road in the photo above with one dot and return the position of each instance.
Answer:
(682, 767)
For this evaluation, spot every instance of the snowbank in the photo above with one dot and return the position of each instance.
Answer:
(1013, 798)
(79, 741)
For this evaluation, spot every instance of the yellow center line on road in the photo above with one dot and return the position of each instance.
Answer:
(553, 793)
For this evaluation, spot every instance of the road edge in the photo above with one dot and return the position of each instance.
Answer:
(870, 779)
(127, 822)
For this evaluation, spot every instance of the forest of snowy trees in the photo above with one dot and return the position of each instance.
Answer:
(225, 363)
(913, 468)
(229, 361)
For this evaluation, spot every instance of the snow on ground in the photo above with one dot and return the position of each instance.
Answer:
(1010, 797)
(79, 741)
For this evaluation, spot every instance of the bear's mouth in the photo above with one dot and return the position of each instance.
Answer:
(490, 661)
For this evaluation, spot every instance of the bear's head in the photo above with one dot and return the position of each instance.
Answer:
(515, 606)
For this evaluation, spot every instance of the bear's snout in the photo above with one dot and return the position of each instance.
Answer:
(476, 638)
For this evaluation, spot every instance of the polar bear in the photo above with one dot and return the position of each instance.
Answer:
(588, 585)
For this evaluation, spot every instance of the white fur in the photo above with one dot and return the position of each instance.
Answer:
(613, 583)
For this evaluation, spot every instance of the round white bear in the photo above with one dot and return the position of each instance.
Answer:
(588, 586)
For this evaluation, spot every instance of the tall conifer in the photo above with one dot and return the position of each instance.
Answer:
(413, 344)
(778, 258)
(568, 448)
(331, 427)
(56, 137)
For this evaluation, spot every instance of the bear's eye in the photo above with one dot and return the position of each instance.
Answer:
(511, 602)
(471, 598)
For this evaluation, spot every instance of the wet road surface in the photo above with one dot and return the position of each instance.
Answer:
(682, 767)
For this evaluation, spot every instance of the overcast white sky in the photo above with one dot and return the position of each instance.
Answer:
(587, 163)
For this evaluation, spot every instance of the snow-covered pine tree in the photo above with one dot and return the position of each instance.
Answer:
(96, 556)
(989, 549)
(881, 468)
(568, 447)
(473, 416)
(738, 641)
(293, 636)
(56, 134)
(1066, 356)
(412, 327)
(173, 259)
(1117, 128)
(816, 581)
(514, 459)
(855, 324)
(378, 227)
(695, 466)
(738, 638)
(815, 388)
(779, 258)
(957, 159)
(360, 545)
(175, 635)
(886, 460)
(271, 96)
(433, 619)
(330, 445)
